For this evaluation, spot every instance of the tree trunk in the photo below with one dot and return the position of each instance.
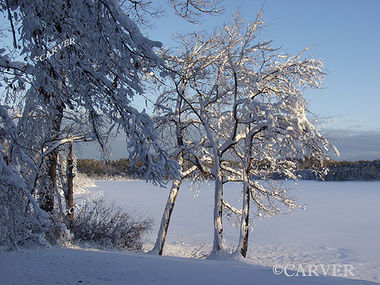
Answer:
(218, 244)
(70, 184)
(160, 241)
(244, 225)
(165, 220)
(47, 203)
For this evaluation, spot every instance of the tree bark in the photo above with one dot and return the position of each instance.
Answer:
(47, 202)
(244, 225)
(218, 244)
(161, 237)
(70, 184)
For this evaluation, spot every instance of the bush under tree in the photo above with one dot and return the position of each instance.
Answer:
(104, 224)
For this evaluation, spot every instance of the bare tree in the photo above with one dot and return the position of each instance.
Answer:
(192, 10)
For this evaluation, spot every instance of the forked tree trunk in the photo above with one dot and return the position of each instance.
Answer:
(161, 237)
(70, 184)
(244, 224)
(47, 201)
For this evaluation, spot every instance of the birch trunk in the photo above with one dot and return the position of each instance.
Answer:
(244, 225)
(218, 244)
(160, 241)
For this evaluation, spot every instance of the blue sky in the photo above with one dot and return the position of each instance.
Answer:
(345, 34)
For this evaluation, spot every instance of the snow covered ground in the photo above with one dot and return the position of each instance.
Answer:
(74, 266)
(340, 225)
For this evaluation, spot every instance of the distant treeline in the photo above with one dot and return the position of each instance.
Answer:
(108, 169)
(338, 170)
(364, 170)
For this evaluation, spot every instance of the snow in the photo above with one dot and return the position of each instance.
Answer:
(77, 266)
(339, 226)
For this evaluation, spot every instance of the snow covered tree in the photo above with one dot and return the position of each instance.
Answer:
(22, 220)
(265, 130)
(180, 131)
(189, 111)
(85, 61)
(246, 99)
(182, 134)
(87, 57)
(176, 126)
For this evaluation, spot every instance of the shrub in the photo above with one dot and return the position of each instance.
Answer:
(104, 224)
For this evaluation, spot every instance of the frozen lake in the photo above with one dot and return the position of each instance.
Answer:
(340, 225)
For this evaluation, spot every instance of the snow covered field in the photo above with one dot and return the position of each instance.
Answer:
(59, 266)
(341, 223)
